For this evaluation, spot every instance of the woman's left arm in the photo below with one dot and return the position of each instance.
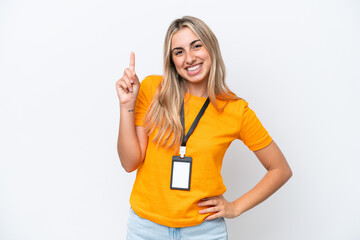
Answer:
(278, 172)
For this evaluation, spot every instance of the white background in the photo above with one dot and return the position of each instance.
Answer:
(295, 62)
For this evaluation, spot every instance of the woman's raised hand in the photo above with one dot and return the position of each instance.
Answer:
(128, 85)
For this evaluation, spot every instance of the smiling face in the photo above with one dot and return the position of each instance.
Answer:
(190, 57)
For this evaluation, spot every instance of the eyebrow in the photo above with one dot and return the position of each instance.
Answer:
(192, 43)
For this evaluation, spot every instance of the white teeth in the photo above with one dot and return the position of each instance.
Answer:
(194, 67)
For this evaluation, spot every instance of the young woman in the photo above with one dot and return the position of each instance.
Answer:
(178, 191)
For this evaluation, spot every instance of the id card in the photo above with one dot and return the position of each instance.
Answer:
(181, 173)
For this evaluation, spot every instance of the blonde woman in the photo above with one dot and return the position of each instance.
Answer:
(174, 130)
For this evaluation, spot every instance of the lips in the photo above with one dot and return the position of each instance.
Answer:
(194, 69)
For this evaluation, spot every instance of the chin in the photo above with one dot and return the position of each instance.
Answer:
(194, 78)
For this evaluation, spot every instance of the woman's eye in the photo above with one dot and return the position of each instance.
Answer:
(178, 53)
(198, 46)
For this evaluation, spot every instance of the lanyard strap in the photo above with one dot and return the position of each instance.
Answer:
(193, 125)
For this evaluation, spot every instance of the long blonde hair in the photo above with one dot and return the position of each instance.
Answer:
(164, 110)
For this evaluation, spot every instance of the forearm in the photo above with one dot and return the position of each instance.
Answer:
(269, 184)
(128, 144)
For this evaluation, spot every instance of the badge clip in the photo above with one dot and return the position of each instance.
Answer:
(182, 151)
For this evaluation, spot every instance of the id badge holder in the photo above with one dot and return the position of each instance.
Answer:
(181, 173)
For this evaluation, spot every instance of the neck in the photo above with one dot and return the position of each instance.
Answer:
(198, 90)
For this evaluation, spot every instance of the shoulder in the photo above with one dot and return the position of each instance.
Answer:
(239, 102)
(151, 81)
(149, 85)
(235, 106)
(148, 88)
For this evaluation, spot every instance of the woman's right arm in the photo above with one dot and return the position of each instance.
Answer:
(132, 140)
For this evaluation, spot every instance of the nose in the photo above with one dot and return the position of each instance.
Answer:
(190, 58)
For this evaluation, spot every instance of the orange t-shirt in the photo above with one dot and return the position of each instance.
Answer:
(151, 197)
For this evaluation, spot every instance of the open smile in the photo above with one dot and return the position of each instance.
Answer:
(193, 70)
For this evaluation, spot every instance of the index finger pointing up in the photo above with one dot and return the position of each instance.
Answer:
(132, 61)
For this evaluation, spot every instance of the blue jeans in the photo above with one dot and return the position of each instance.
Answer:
(143, 229)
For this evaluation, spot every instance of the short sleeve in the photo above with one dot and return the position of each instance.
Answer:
(146, 93)
(252, 132)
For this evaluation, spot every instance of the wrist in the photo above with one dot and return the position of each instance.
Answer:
(127, 107)
(129, 111)
(238, 208)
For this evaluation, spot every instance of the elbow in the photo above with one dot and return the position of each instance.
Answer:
(130, 166)
(288, 173)
(129, 169)
(284, 173)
